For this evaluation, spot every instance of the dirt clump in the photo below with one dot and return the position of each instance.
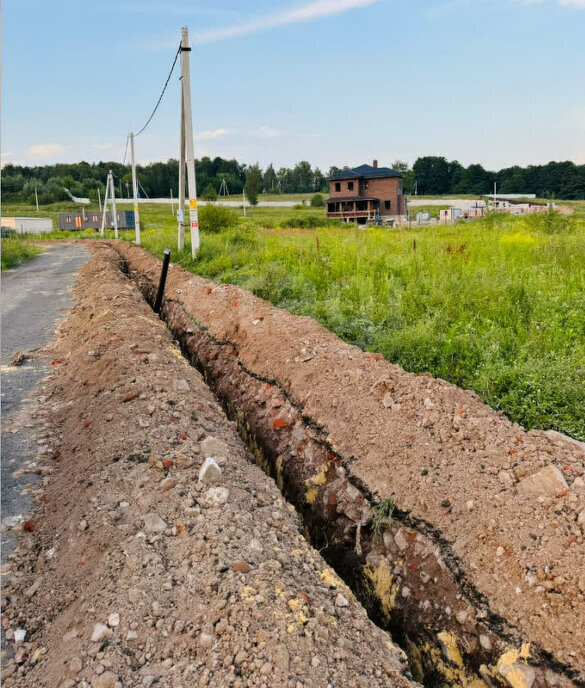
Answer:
(507, 505)
(158, 553)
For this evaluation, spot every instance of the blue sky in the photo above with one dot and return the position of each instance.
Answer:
(499, 82)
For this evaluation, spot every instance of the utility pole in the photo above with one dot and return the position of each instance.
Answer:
(189, 146)
(134, 190)
(36, 198)
(99, 198)
(110, 188)
(181, 206)
(244, 202)
(114, 213)
(172, 208)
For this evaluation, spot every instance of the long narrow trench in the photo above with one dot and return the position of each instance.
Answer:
(401, 568)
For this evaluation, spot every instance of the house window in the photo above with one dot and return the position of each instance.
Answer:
(366, 184)
(387, 205)
(337, 186)
(350, 186)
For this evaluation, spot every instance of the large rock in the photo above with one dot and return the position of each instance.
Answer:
(153, 523)
(549, 481)
(210, 472)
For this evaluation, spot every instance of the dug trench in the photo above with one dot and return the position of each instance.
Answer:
(477, 571)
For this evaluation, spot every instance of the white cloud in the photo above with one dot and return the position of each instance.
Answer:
(266, 132)
(6, 154)
(307, 12)
(211, 134)
(103, 146)
(46, 150)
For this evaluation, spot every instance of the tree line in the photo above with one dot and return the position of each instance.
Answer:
(430, 175)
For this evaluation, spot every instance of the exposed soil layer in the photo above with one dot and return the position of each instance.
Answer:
(487, 548)
(132, 572)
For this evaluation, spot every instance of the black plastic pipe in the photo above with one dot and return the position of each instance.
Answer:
(163, 279)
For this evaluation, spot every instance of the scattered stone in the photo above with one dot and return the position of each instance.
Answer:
(500, 551)
(131, 635)
(210, 472)
(29, 592)
(106, 680)
(506, 478)
(153, 523)
(100, 631)
(83, 525)
(19, 635)
(215, 496)
(549, 481)
(114, 620)
(485, 642)
(400, 540)
(75, 665)
(206, 640)
(341, 601)
(180, 385)
(241, 567)
(19, 358)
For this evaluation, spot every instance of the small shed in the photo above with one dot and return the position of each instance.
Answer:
(28, 225)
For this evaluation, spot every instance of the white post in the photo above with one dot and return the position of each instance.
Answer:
(99, 198)
(181, 206)
(36, 198)
(189, 147)
(172, 208)
(135, 191)
(114, 213)
(244, 202)
(103, 226)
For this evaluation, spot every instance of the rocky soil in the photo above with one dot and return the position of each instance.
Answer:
(509, 503)
(157, 552)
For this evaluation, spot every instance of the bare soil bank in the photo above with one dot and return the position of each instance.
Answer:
(502, 509)
(130, 572)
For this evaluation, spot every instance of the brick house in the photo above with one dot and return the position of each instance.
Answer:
(359, 194)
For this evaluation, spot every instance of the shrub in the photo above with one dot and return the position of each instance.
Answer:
(215, 218)
(317, 201)
(209, 194)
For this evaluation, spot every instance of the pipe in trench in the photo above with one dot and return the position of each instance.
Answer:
(405, 575)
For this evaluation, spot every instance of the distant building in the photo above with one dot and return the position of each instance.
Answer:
(364, 193)
(28, 225)
(92, 219)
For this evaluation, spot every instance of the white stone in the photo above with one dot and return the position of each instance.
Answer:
(400, 540)
(500, 551)
(19, 635)
(485, 642)
(341, 601)
(210, 472)
(216, 496)
(180, 385)
(114, 619)
(100, 631)
(153, 523)
(206, 640)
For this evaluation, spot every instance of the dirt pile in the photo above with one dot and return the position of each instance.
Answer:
(502, 509)
(158, 553)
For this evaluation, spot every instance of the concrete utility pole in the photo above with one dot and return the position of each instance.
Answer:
(110, 188)
(172, 207)
(99, 197)
(190, 150)
(135, 191)
(181, 206)
(36, 198)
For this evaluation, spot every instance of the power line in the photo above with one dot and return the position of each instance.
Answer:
(161, 95)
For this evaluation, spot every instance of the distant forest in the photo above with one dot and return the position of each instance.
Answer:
(432, 175)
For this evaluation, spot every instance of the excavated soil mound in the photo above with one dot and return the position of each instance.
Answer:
(132, 572)
(496, 511)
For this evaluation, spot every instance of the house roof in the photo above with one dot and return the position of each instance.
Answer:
(365, 172)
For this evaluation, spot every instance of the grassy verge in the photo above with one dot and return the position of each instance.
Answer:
(496, 305)
(16, 251)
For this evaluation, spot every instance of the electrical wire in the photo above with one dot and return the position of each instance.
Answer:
(162, 93)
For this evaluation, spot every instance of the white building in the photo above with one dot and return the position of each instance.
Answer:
(28, 225)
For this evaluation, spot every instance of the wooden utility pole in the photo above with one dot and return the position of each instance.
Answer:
(135, 191)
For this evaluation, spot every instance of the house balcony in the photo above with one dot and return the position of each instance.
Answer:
(353, 208)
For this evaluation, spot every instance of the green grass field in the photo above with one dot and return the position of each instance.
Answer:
(15, 251)
(496, 305)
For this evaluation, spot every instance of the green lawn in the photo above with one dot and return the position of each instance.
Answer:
(496, 305)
